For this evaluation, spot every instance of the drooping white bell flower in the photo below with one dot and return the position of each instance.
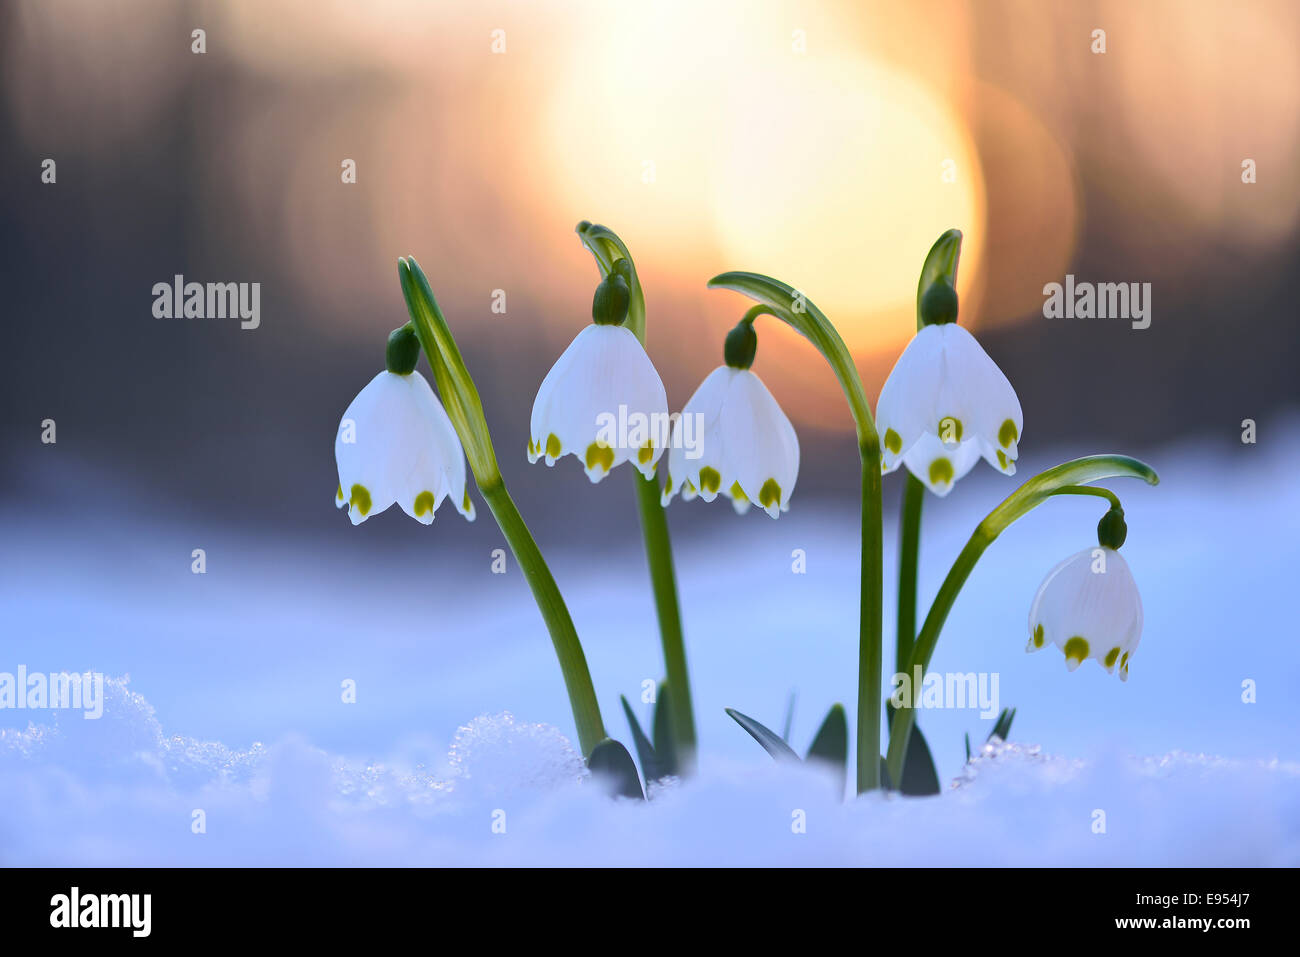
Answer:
(946, 388)
(396, 444)
(1089, 607)
(602, 401)
(733, 439)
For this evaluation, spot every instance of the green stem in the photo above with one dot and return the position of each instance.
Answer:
(568, 649)
(870, 639)
(909, 550)
(1064, 479)
(796, 310)
(659, 555)
(607, 249)
(460, 396)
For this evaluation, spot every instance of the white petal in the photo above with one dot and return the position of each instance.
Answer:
(989, 403)
(602, 401)
(760, 451)
(394, 444)
(1089, 607)
(939, 467)
(695, 444)
(906, 408)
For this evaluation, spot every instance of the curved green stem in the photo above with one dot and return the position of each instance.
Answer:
(568, 649)
(460, 396)
(909, 550)
(796, 310)
(608, 249)
(1064, 479)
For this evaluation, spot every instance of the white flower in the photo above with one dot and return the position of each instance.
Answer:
(945, 393)
(1089, 607)
(602, 401)
(746, 448)
(396, 444)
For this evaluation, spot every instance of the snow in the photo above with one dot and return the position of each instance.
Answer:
(253, 654)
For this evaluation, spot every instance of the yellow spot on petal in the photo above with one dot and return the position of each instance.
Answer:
(691, 486)
(1003, 460)
(340, 494)
(466, 505)
(646, 453)
(1076, 648)
(893, 442)
(710, 480)
(553, 445)
(769, 494)
(600, 454)
(1110, 658)
(941, 472)
(423, 503)
(1008, 433)
(361, 499)
(1123, 662)
(949, 430)
(533, 448)
(1038, 636)
(738, 493)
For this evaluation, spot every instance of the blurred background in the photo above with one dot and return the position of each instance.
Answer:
(827, 144)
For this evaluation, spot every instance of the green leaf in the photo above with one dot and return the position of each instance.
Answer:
(1002, 727)
(831, 744)
(645, 751)
(665, 744)
(968, 747)
(789, 719)
(614, 770)
(769, 739)
(919, 776)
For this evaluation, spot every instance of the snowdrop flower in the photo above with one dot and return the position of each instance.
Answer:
(746, 449)
(602, 401)
(1088, 605)
(396, 444)
(946, 403)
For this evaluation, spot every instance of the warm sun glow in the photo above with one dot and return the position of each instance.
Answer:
(835, 173)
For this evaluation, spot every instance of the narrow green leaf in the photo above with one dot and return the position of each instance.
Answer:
(765, 736)
(614, 770)
(789, 719)
(831, 744)
(645, 751)
(968, 747)
(665, 744)
(1002, 728)
(919, 775)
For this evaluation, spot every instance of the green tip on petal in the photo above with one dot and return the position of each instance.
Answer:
(360, 498)
(769, 494)
(423, 503)
(598, 455)
(950, 430)
(1110, 658)
(941, 472)
(1076, 649)
(1038, 636)
(710, 480)
(645, 453)
(893, 441)
(1008, 433)
(553, 445)
(738, 493)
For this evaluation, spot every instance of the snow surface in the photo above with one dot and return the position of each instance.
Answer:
(255, 651)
